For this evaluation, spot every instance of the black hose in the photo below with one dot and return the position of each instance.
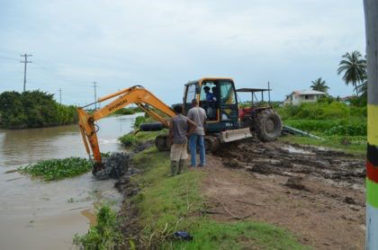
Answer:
(155, 126)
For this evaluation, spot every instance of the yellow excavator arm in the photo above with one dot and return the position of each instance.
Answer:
(134, 95)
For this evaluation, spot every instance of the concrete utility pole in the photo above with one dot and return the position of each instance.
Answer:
(371, 24)
(95, 93)
(60, 96)
(25, 62)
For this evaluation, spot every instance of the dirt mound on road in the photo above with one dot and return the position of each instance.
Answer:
(315, 193)
(293, 160)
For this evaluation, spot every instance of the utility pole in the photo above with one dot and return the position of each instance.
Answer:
(371, 25)
(25, 62)
(60, 96)
(95, 94)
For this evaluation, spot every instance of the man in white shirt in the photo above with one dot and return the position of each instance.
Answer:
(198, 115)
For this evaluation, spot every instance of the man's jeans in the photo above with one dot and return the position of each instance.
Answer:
(193, 140)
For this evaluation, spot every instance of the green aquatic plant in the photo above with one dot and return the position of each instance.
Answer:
(57, 169)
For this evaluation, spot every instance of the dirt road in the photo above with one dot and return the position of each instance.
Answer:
(316, 194)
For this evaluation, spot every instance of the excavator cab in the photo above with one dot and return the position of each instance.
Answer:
(218, 97)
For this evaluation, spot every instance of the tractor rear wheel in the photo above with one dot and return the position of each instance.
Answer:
(268, 125)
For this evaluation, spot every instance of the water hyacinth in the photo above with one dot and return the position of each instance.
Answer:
(57, 169)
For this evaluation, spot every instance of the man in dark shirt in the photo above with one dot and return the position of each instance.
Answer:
(179, 128)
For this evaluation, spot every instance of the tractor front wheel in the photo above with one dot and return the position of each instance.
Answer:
(268, 125)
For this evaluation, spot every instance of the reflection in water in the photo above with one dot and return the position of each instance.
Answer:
(90, 216)
(40, 215)
(26, 146)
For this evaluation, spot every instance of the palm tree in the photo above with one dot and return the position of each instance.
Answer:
(319, 85)
(361, 89)
(354, 68)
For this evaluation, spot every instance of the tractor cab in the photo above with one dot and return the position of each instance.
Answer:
(257, 103)
(225, 119)
(218, 97)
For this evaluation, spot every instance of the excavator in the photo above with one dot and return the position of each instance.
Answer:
(226, 122)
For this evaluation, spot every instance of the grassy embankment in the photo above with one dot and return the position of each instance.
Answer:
(169, 204)
(341, 126)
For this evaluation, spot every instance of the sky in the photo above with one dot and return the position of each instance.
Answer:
(164, 44)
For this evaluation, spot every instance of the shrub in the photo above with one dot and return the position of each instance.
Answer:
(349, 129)
(335, 110)
(326, 99)
(126, 111)
(331, 127)
(358, 111)
(139, 120)
(321, 110)
(32, 109)
(128, 140)
(105, 235)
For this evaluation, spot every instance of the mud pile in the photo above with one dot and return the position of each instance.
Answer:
(115, 166)
(294, 161)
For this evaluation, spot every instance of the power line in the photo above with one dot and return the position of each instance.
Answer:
(95, 94)
(25, 62)
(8, 58)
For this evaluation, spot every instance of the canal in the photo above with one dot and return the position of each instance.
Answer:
(46, 215)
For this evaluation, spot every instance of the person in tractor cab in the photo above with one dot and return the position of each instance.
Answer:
(209, 96)
(198, 115)
(210, 102)
(179, 127)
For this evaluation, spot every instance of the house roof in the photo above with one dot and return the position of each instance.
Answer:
(307, 92)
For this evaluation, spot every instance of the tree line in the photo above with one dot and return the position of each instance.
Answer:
(33, 109)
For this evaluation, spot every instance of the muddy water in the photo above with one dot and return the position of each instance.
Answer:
(39, 215)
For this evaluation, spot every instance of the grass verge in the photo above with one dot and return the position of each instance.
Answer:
(170, 204)
(349, 144)
(57, 169)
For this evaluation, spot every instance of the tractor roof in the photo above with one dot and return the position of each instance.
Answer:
(210, 78)
(251, 90)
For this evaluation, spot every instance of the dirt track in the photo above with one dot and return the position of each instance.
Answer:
(316, 194)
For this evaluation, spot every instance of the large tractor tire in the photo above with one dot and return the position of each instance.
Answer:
(268, 125)
(211, 144)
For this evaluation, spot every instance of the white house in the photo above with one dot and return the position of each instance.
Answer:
(301, 96)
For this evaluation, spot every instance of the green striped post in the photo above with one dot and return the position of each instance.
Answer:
(371, 22)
